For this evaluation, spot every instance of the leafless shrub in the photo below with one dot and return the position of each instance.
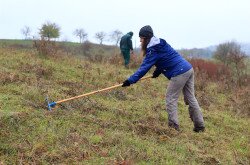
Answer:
(45, 47)
(86, 47)
(231, 55)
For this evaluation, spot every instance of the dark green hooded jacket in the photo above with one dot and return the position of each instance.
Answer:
(126, 42)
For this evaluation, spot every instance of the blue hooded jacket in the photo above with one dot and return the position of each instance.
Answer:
(164, 57)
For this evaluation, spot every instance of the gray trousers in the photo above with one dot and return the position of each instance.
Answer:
(184, 83)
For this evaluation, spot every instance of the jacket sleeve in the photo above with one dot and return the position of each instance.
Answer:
(130, 45)
(148, 62)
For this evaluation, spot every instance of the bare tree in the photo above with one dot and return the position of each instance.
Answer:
(100, 36)
(26, 32)
(228, 52)
(116, 36)
(81, 34)
(231, 55)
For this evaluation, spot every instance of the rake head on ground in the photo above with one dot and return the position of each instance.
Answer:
(50, 105)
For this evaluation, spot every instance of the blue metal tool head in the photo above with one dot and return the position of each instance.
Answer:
(50, 105)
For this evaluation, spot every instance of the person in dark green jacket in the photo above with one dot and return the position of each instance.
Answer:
(126, 46)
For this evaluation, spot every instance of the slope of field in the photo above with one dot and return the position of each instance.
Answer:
(122, 126)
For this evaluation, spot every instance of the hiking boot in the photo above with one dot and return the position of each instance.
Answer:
(199, 129)
(174, 126)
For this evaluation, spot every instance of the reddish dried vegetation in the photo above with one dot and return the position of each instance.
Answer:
(212, 70)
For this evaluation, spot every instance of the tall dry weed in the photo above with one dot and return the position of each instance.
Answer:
(45, 47)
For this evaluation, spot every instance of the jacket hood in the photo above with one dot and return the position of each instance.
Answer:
(153, 41)
(156, 43)
(130, 33)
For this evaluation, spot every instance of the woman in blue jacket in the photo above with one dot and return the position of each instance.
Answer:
(172, 65)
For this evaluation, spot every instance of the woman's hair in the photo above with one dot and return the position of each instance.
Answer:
(146, 32)
(144, 45)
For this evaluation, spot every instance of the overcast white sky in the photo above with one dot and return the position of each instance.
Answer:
(183, 23)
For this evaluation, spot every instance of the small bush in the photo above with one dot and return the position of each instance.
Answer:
(213, 70)
(45, 47)
(86, 47)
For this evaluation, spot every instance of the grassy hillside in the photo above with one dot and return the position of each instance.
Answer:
(74, 48)
(27, 43)
(122, 126)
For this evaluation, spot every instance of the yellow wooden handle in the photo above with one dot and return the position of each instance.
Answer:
(97, 91)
